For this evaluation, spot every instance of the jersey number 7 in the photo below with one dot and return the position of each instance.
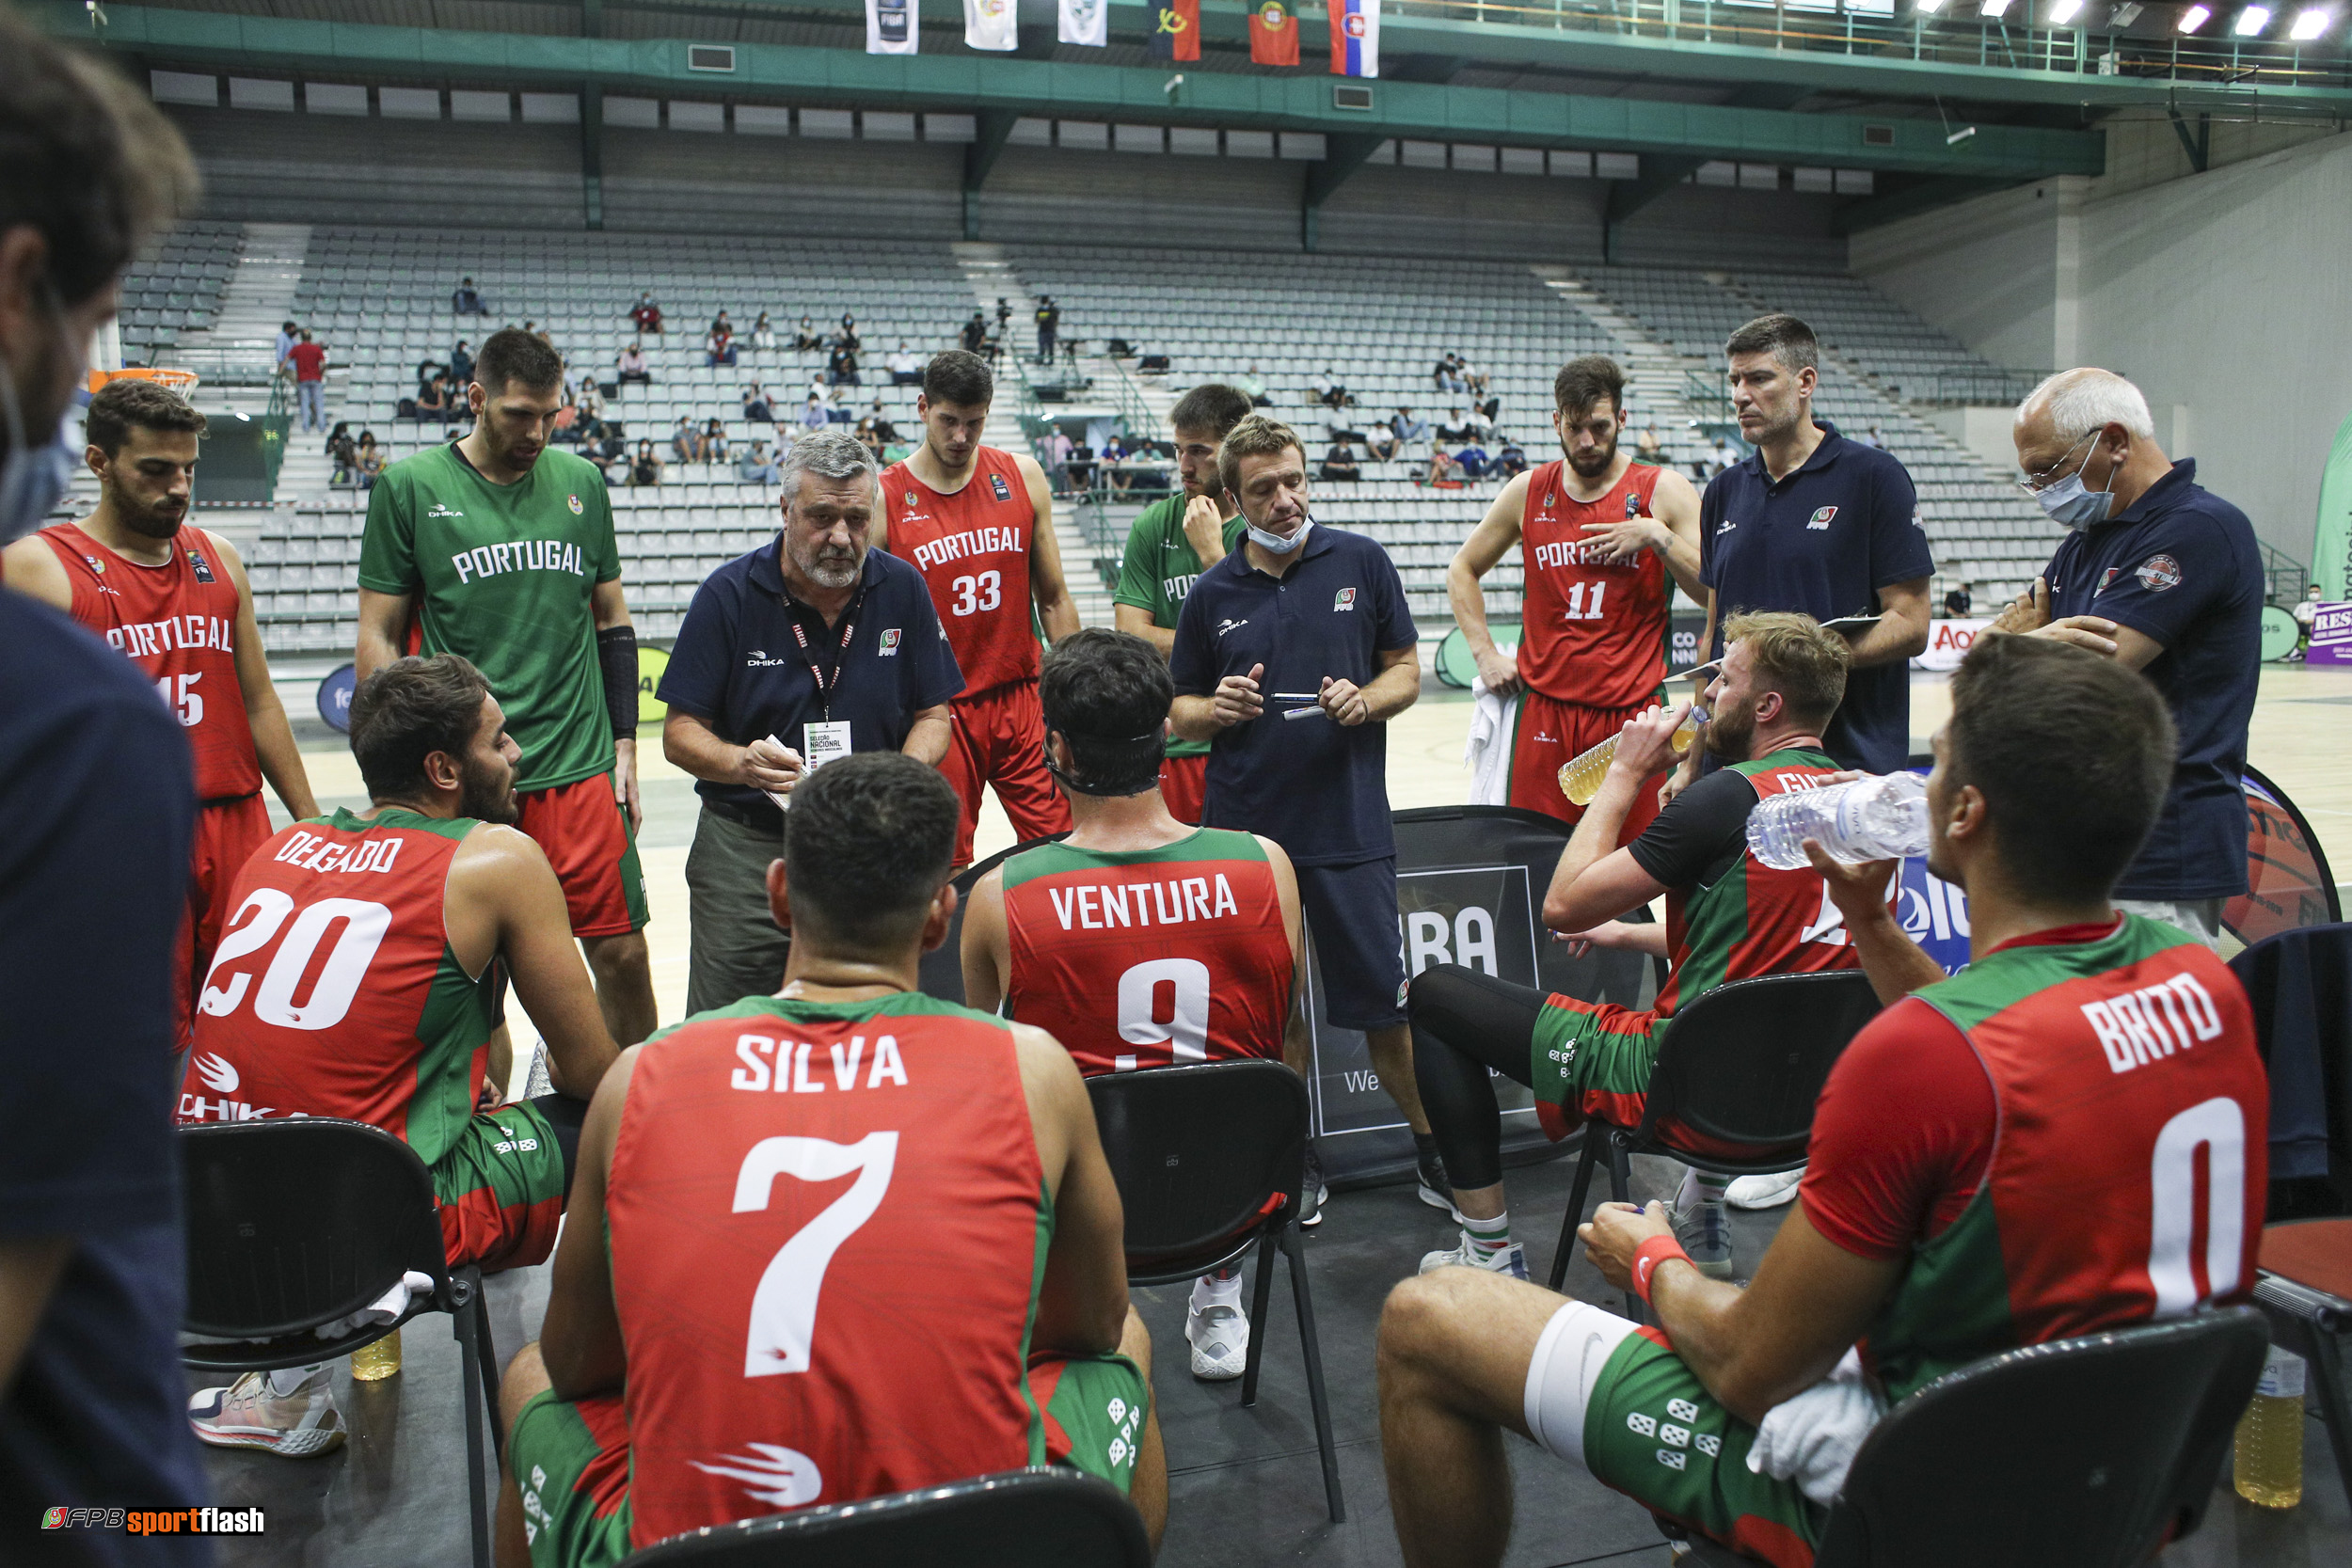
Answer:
(784, 1307)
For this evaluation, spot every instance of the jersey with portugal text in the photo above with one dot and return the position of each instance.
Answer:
(1754, 920)
(972, 550)
(505, 575)
(827, 1222)
(178, 623)
(2130, 1165)
(334, 992)
(1150, 957)
(1159, 570)
(1592, 633)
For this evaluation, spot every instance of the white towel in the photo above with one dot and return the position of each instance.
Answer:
(1812, 1439)
(384, 1310)
(1489, 754)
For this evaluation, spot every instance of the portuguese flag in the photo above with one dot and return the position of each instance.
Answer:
(1274, 33)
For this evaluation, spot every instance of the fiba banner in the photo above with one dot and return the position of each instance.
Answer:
(1176, 30)
(1085, 23)
(1948, 642)
(891, 27)
(1354, 36)
(990, 24)
(1274, 34)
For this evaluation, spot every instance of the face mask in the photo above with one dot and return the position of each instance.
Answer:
(32, 479)
(2072, 504)
(1279, 544)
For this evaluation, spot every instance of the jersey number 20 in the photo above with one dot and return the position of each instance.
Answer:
(257, 923)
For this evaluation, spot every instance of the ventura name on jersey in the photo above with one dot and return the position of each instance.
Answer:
(971, 542)
(528, 555)
(1102, 906)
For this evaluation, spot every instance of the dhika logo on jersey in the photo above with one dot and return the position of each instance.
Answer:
(1344, 599)
(1823, 517)
(218, 1072)
(578, 509)
(758, 659)
(202, 567)
(2159, 572)
(1230, 625)
(439, 510)
(525, 555)
(997, 487)
(890, 643)
(774, 1474)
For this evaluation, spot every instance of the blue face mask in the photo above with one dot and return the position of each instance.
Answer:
(32, 479)
(1277, 543)
(2073, 505)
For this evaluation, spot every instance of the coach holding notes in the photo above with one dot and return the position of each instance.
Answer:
(1816, 522)
(1290, 656)
(801, 652)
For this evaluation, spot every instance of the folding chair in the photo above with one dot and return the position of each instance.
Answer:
(294, 1224)
(1013, 1519)
(2094, 1452)
(1209, 1161)
(1742, 1064)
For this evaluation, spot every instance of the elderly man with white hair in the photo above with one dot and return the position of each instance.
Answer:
(2163, 576)
(810, 647)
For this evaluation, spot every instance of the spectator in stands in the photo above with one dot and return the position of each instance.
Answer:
(1057, 449)
(1472, 460)
(720, 322)
(1447, 378)
(1488, 408)
(714, 442)
(646, 468)
(686, 442)
(2162, 575)
(883, 430)
(1869, 438)
(461, 364)
(763, 335)
(431, 399)
(974, 334)
(632, 364)
(841, 366)
(1329, 391)
(906, 367)
(1340, 463)
(1253, 386)
(1647, 448)
(1474, 379)
(754, 467)
(1410, 429)
(870, 436)
(847, 336)
(343, 453)
(368, 460)
(308, 361)
(465, 300)
(814, 417)
(719, 348)
(1455, 427)
(1048, 327)
(1381, 441)
(1511, 461)
(755, 407)
(1958, 602)
(286, 340)
(1482, 426)
(804, 337)
(1081, 468)
(1720, 457)
(1114, 454)
(338, 438)
(645, 313)
(1004, 314)
(2306, 611)
(1443, 465)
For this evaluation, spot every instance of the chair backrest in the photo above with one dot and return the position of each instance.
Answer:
(2082, 1452)
(1745, 1062)
(297, 1222)
(1015, 1519)
(2300, 984)
(1197, 1151)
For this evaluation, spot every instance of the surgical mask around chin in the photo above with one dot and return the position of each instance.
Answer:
(1277, 543)
(32, 479)
(2075, 505)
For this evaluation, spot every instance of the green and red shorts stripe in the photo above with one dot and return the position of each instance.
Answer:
(570, 1463)
(1594, 1059)
(1092, 1410)
(502, 1189)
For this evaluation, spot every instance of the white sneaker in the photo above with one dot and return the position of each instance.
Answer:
(1219, 1336)
(245, 1414)
(1512, 1259)
(1764, 1192)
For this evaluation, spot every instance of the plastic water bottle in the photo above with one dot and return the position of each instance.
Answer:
(2269, 1463)
(1580, 775)
(378, 1360)
(1874, 818)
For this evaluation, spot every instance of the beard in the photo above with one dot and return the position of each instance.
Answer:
(157, 520)
(1731, 732)
(486, 797)
(828, 566)
(1595, 463)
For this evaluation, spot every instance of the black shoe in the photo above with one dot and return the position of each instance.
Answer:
(1317, 1192)
(1436, 1191)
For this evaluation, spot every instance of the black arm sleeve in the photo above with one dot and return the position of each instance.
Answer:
(616, 651)
(1695, 839)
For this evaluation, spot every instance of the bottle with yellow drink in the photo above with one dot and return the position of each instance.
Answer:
(1580, 775)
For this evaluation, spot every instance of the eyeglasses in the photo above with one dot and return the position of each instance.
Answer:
(2040, 480)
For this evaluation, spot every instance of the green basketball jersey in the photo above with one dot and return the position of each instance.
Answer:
(503, 574)
(1159, 571)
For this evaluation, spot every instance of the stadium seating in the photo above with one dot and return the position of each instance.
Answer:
(176, 287)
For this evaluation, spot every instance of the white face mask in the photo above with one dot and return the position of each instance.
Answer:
(2072, 504)
(1277, 543)
(32, 479)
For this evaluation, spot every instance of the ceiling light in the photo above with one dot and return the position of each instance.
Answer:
(2065, 11)
(2311, 24)
(1929, 7)
(1963, 134)
(2252, 20)
(1994, 10)
(2195, 17)
(2124, 15)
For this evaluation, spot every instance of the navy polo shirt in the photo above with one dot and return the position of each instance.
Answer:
(1317, 789)
(738, 668)
(2180, 566)
(1822, 541)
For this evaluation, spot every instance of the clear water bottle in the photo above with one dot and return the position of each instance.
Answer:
(1580, 775)
(1872, 818)
(2268, 1470)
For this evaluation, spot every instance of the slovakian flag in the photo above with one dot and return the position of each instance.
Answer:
(1178, 35)
(1354, 36)
(1274, 34)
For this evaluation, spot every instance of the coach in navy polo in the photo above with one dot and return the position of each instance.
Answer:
(1291, 654)
(2162, 575)
(1817, 523)
(801, 652)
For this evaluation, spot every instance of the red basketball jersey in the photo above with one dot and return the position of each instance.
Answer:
(1592, 633)
(972, 550)
(827, 1224)
(334, 993)
(1150, 958)
(177, 621)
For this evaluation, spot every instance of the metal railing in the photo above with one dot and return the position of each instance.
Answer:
(2002, 389)
(2284, 578)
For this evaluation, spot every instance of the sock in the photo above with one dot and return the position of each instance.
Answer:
(1217, 1290)
(1700, 1186)
(286, 1381)
(1488, 1237)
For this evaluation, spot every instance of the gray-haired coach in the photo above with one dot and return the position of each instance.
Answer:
(801, 652)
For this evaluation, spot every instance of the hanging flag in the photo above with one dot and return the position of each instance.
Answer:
(890, 27)
(990, 24)
(1354, 36)
(1178, 35)
(1274, 34)
(1086, 22)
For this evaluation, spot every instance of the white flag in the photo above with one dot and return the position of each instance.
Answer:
(1086, 22)
(990, 24)
(891, 27)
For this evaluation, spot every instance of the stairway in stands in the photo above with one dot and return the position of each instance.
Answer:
(1654, 371)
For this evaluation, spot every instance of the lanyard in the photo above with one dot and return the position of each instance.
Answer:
(826, 679)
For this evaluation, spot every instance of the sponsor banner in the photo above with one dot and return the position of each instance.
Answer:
(1354, 36)
(2331, 635)
(891, 27)
(990, 24)
(1085, 23)
(1948, 642)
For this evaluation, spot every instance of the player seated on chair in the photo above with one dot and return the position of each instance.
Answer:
(2069, 1135)
(1728, 917)
(361, 974)
(1198, 968)
(734, 1331)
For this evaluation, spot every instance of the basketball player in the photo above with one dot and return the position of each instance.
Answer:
(174, 598)
(1213, 929)
(1173, 543)
(359, 976)
(734, 1330)
(1599, 536)
(979, 523)
(2034, 1149)
(501, 550)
